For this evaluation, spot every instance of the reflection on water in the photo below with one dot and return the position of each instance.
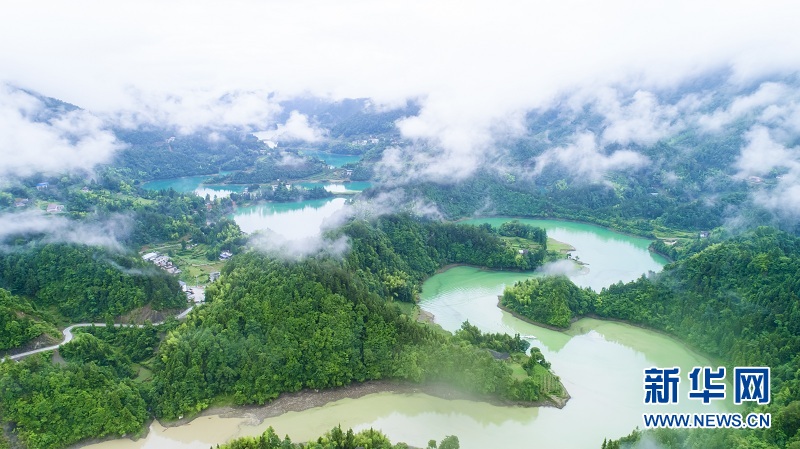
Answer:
(610, 256)
(293, 221)
(194, 184)
(342, 187)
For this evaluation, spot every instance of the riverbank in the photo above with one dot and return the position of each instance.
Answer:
(308, 399)
(604, 225)
(689, 348)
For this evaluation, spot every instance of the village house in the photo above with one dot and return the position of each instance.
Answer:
(162, 261)
(55, 208)
(42, 186)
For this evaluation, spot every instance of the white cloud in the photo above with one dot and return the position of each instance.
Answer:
(196, 110)
(296, 127)
(295, 249)
(767, 94)
(106, 233)
(763, 154)
(475, 66)
(560, 268)
(64, 142)
(586, 160)
(642, 119)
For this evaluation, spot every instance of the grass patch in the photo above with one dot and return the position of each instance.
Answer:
(517, 371)
(558, 246)
(143, 374)
(192, 261)
(550, 383)
(407, 308)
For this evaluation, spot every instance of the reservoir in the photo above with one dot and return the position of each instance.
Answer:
(298, 219)
(600, 362)
(195, 184)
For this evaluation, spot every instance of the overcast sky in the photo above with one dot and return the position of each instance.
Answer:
(476, 66)
(97, 54)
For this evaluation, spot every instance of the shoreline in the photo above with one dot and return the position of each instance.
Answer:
(566, 220)
(530, 321)
(690, 348)
(308, 399)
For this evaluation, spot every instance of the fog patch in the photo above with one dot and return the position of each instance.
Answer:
(106, 233)
(584, 158)
(768, 93)
(196, 110)
(36, 139)
(274, 244)
(642, 119)
(296, 128)
(560, 268)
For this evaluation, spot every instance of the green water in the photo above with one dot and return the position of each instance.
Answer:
(194, 184)
(599, 362)
(293, 221)
(609, 256)
(336, 187)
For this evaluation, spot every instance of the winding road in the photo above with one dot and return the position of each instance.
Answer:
(68, 336)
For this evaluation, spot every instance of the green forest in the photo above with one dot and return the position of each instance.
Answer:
(333, 439)
(553, 300)
(87, 284)
(736, 300)
(273, 326)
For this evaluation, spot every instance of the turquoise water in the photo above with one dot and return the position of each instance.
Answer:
(294, 221)
(194, 184)
(334, 187)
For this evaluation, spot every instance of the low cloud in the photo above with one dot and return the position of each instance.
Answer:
(288, 159)
(295, 249)
(450, 140)
(35, 139)
(297, 127)
(58, 229)
(385, 203)
(585, 159)
(560, 268)
(764, 156)
(641, 119)
(196, 110)
(767, 94)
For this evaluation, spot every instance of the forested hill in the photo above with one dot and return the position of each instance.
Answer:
(87, 283)
(272, 326)
(739, 301)
(640, 160)
(402, 251)
(156, 153)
